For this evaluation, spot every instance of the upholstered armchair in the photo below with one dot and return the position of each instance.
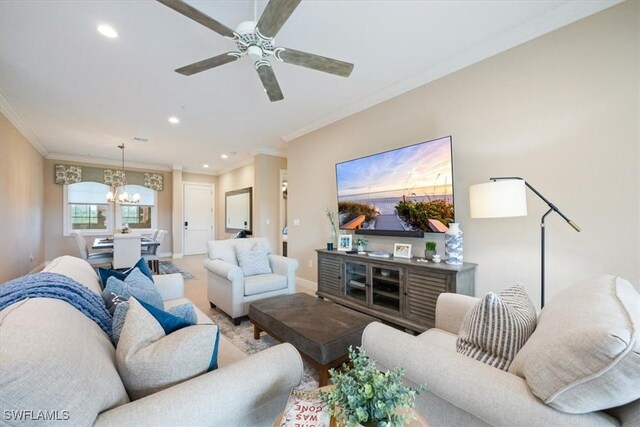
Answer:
(241, 271)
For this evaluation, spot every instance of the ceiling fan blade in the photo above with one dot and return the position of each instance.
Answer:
(316, 62)
(193, 13)
(269, 80)
(274, 16)
(207, 64)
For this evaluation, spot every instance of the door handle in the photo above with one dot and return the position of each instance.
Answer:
(186, 224)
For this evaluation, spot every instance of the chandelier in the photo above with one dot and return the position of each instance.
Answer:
(115, 195)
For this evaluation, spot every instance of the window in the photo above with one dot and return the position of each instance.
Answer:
(86, 208)
(136, 216)
(142, 215)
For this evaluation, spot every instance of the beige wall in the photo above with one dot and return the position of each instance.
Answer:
(56, 244)
(266, 198)
(236, 179)
(561, 111)
(21, 204)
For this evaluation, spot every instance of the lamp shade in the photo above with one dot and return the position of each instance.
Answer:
(498, 199)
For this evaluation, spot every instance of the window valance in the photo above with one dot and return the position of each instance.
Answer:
(70, 174)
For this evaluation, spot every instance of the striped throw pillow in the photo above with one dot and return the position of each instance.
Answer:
(497, 327)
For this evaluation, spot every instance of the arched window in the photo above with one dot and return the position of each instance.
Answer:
(142, 215)
(86, 209)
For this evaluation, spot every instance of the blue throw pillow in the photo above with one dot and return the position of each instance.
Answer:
(135, 284)
(168, 321)
(141, 265)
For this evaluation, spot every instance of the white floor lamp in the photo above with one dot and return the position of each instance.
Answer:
(506, 197)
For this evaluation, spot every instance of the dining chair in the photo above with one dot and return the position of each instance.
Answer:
(151, 255)
(126, 250)
(95, 259)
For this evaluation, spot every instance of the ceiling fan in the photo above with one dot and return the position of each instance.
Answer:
(256, 39)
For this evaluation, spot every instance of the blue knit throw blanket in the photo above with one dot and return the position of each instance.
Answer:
(58, 286)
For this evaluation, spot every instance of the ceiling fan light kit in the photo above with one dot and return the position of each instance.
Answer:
(257, 41)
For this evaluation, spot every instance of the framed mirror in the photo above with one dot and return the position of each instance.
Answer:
(238, 208)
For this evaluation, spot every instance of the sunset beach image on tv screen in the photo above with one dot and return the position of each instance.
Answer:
(406, 189)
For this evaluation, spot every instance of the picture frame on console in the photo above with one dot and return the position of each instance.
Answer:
(401, 250)
(345, 242)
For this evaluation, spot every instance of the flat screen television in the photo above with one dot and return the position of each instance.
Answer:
(407, 191)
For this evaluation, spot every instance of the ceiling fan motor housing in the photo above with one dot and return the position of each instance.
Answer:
(252, 43)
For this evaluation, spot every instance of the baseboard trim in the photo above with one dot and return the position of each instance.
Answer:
(177, 256)
(308, 285)
(165, 255)
(39, 267)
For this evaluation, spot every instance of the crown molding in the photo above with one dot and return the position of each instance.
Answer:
(200, 171)
(270, 151)
(20, 123)
(563, 15)
(106, 162)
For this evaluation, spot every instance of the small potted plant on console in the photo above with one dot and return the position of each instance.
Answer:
(360, 244)
(429, 250)
(362, 395)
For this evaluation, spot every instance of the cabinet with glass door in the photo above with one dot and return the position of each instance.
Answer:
(356, 285)
(386, 284)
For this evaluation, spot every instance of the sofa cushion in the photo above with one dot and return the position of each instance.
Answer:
(53, 357)
(77, 269)
(149, 360)
(264, 283)
(253, 261)
(136, 284)
(141, 265)
(497, 327)
(585, 353)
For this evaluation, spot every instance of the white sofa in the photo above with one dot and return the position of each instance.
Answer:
(53, 358)
(462, 391)
(231, 291)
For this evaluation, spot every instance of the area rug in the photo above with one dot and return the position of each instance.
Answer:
(168, 267)
(242, 337)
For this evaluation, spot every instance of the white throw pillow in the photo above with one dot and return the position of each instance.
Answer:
(497, 327)
(585, 353)
(149, 361)
(253, 261)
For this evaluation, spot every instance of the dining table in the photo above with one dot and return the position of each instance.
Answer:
(107, 243)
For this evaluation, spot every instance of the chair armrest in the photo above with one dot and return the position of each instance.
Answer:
(490, 394)
(283, 265)
(170, 286)
(224, 269)
(451, 309)
(250, 392)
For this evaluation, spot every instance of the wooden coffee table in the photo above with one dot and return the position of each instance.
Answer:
(320, 330)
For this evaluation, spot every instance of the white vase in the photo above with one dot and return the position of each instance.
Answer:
(453, 244)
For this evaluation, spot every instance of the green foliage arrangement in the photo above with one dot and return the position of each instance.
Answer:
(430, 246)
(362, 395)
(354, 210)
(418, 214)
(360, 241)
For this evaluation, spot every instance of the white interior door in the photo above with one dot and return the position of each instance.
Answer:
(198, 218)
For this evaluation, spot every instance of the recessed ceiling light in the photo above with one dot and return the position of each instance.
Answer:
(224, 156)
(174, 120)
(107, 31)
(205, 166)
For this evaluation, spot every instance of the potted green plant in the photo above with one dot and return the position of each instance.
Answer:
(429, 250)
(360, 243)
(362, 395)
